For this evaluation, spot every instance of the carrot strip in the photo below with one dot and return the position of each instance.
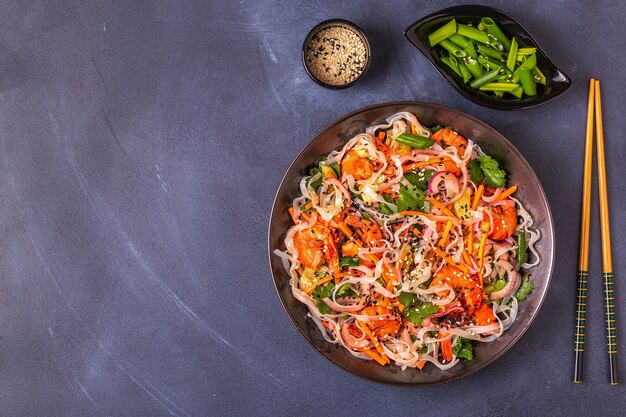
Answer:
(481, 250)
(446, 233)
(375, 356)
(417, 165)
(413, 129)
(346, 231)
(450, 259)
(421, 364)
(293, 216)
(441, 207)
(477, 196)
(319, 282)
(470, 240)
(381, 135)
(466, 258)
(446, 347)
(507, 193)
(374, 340)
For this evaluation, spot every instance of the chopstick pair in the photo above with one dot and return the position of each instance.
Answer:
(594, 106)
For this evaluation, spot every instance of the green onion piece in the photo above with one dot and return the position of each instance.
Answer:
(487, 78)
(415, 141)
(510, 62)
(504, 87)
(490, 52)
(539, 76)
(472, 33)
(474, 67)
(442, 33)
(495, 31)
(452, 65)
(527, 81)
(461, 41)
(453, 49)
(349, 261)
(471, 50)
(521, 248)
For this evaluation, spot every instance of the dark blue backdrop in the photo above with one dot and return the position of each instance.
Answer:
(141, 146)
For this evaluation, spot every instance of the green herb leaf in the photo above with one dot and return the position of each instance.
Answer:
(323, 292)
(421, 311)
(312, 172)
(337, 168)
(494, 176)
(407, 299)
(524, 289)
(384, 208)
(420, 178)
(349, 261)
(475, 173)
(463, 349)
(410, 198)
(500, 283)
(345, 291)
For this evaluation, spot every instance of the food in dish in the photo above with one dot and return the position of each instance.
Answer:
(407, 246)
(487, 59)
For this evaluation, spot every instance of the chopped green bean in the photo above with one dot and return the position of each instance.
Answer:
(442, 33)
(505, 87)
(461, 41)
(472, 33)
(487, 63)
(474, 67)
(467, 74)
(454, 67)
(495, 31)
(518, 91)
(539, 76)
(471, 50)
(521, 248)
(487, 78)
(529, 63)
(453, 49)
(526, 51)
(527, 81)
(490, 52)
(415, 141)
(510, 62)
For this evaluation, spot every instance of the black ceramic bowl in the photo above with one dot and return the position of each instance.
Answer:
(557, 82)
(336, 22)
(530, 193)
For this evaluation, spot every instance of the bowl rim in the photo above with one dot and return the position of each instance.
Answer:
(533, 175)
(316, 29)
(477, 99)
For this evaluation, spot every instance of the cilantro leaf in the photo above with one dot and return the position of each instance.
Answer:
(384, 208)
(322, 292)
(345, 291)
(407, 299)
(463, 349)
(312, 172)
(421, 311)
(420, 178)
(475, 173)
(524, 289)
(494, 176)
(410, 198)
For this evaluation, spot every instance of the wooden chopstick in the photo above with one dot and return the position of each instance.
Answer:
(583, 258)
(609, 305)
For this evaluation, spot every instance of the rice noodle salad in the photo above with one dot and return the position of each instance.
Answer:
(408, 247)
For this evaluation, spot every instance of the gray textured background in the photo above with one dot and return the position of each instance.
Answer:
(141, 146)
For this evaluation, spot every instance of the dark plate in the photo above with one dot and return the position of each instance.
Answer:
(531, 194)
(557, 81)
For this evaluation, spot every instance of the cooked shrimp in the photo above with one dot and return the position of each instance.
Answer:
(389, 325)
(354, 337)
(368, 230)
(358, 164)
(314, 245)
(504, 222)
(472, 294)
(450, 138)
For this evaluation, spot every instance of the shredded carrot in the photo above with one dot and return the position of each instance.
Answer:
(481, 250)
(307, 205)
(507, 193)
(477, 196)
(413, 129)
(306, 216)
(421, 364)
(381, 135)
(293, 216)
(403, 253)
(446, 232)
(450, 259)
(375, 356)
(470, 240)
(374, 340)
(466, 257)
(346, 231)
(446, 347)
(441, 207)
(431, 161)
(417, 232)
